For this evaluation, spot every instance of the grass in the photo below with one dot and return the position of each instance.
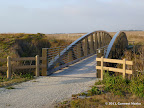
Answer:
(4, 82)
(116, 90)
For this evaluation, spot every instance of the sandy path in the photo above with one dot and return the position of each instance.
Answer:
(43, 92)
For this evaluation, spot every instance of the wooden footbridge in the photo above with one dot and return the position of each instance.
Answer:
(97, 42)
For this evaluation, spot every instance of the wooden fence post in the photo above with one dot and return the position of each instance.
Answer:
(8, 67)
(99, 55)
(44, 61)
(37, 65)
(124, 67)
(102, 68)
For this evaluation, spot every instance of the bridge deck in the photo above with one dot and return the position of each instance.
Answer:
(44, 91)
(83, 69)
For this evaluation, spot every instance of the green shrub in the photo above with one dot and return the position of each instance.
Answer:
(94, 91)
(27, 76)
(116, 84)
(137, 85)
(120, 86)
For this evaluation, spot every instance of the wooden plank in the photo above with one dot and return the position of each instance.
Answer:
(110, 69)
(98, 59)
(115, 61)
(129, 72)
(24, 67)
(23, 58)
(129, 62)
(114, 69)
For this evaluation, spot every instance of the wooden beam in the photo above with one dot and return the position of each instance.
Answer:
(91, 44)
(114, 69)
(45, 61)
(96, 42)
(86, 47)
(37, 65)
(9, 67)
(124, 68)
(115, 61)
(22, 58)
(25, 67)
(102, 68)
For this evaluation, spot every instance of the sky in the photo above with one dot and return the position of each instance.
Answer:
(70, 16)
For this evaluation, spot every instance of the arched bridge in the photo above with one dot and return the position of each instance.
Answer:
(84, 47)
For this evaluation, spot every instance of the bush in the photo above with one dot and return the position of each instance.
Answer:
(27, 76)
(120, 86)
(116, 84)
(94, 91)
(137, 85)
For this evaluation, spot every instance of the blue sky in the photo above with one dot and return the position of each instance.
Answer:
(70, 16)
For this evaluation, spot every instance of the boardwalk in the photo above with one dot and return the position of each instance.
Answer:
(43, 92)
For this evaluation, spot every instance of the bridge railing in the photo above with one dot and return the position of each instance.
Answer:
(85, 46)
(124, 62)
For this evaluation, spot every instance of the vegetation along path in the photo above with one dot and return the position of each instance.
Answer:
(43, 92)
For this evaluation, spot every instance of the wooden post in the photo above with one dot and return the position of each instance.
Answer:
(70, 58)
(99, 39)
(8, 67)
(102, 68)
(99, 55)
(124, 67)
(96, 42)
(79, 53)
(44, 61)
(91, 44)
(37, 65)
(59, 51)
(86, 47)
(104, 39)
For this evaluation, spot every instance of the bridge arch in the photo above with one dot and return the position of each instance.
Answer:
(81, 48)
(117, 46)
